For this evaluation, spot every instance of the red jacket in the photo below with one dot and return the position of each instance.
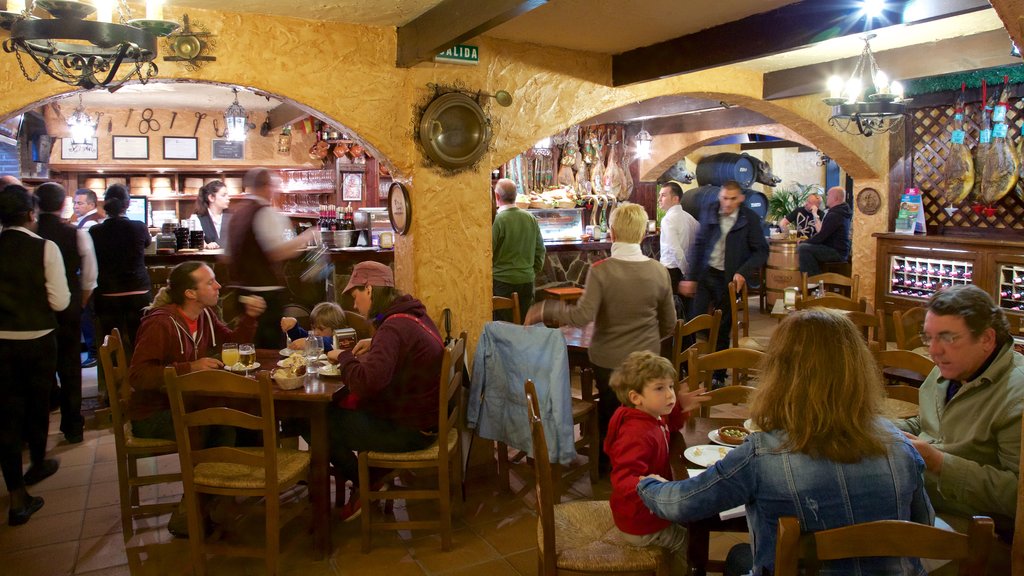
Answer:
(637, 445)
(398, 378)
(164, 340)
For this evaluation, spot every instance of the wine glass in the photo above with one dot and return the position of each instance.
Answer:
(314, 348)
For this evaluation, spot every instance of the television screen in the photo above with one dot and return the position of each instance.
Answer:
(138, 209)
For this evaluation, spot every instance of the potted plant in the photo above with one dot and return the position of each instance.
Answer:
(783, 201)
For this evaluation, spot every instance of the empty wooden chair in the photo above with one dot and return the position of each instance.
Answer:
(740, 360)
(511, 303)
(709, 322)
(903, 367)
(444, 457)
(836, 302)
(833, 284)
(580, 537)
(129, 448)
(739, 335)
(260, 472)
(871, 326)
(908, 325)
(362, 326)
(887, 538)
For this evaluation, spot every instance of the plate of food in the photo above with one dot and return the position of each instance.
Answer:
(729, 435)
(294, 360)
(328, 370)
(288, 353)
(239, 367)
(706, 454)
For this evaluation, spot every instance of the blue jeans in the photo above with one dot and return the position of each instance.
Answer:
(812, 256)
(351, 431)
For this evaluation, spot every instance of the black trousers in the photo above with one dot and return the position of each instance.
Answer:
(69, 369)
(607, 404)
(268, 326)
(26, 371)
(525, 292)
(713, 293)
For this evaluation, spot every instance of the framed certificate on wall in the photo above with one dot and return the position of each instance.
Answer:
(181, 148)
(80, 151)
(131, 148)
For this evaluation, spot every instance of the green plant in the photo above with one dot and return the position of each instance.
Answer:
(784, 201)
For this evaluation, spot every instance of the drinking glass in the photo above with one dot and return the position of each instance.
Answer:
(229, 354)
(314, 348)
(247, 354)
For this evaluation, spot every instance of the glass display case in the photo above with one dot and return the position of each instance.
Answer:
(919, 277)
(375, 220)
(1011, 287)
(560, 224)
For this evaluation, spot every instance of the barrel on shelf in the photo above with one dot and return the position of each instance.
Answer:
(783, 269)
(718, 169)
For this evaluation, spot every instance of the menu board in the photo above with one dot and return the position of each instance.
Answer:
(910, 219)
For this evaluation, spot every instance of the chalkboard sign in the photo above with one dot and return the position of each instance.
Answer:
(228, 150)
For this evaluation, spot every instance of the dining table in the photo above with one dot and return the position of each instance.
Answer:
(311, 402)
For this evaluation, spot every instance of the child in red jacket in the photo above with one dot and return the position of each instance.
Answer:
(637, 444)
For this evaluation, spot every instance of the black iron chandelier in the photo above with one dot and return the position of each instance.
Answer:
(882, 107)
(85, 53)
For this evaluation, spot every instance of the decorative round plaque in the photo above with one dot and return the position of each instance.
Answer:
(868, 201)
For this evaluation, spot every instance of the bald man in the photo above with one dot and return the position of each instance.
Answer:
(832, 242)
(518, 252)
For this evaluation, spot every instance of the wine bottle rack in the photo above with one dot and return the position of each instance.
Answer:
(918, 277)
(1011, 287)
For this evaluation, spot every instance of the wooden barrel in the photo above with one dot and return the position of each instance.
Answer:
(783, 269)
(695, 199)
(718, 169)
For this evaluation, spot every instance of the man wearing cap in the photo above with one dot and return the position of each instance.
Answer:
(256, 250)
(392, 379)
(32, 288)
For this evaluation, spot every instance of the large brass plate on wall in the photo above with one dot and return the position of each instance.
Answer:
(454, 131)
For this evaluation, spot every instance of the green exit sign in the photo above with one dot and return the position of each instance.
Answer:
(460, 54)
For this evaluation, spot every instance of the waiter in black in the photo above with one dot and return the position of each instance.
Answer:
(32, 288)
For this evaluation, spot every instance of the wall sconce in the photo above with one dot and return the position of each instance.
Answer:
(236, 121)
(643, 144)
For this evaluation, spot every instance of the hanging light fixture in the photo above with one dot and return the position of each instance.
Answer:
(236, 120)
(643, 143)
(81, 125)
(881, 110)
(86, 53)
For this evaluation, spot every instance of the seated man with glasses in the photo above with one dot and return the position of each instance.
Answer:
(968, 428)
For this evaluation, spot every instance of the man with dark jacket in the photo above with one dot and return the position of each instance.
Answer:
(730, 247)
(832, 242)
(80, 270)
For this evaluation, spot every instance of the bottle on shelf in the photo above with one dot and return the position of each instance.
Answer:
(350, 223)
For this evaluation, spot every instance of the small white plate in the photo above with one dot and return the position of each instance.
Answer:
(749, 425)
(706, 454)
(254, 366)
(715, 437)
(286, 352)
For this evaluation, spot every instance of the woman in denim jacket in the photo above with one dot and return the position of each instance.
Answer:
(829, 458)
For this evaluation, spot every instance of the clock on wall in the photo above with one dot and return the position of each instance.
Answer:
(399, 207)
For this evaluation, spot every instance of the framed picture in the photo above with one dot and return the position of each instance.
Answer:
(70, 151)
(352, 187)
(181, 148)
(131, 148)
(227, 150)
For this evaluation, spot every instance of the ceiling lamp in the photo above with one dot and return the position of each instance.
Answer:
(81, 125)
(643, 144)
(236, 120)
(882, 109)
(86, 53)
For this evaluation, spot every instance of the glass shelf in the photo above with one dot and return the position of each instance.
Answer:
(917, 277)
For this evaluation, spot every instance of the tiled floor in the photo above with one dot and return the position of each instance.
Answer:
(78, 531)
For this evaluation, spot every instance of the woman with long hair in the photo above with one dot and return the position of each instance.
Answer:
(824, 453)
(210, 215)
(122, 284)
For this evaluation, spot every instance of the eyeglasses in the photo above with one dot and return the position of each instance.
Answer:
(944, 337)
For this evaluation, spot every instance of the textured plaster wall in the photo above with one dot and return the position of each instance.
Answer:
(346, 73)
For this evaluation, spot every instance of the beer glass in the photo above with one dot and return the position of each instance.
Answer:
(229, 354)
(247, 354)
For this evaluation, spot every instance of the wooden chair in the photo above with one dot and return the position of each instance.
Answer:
(871, 326)
(908, 326)
(502, 303)
(261, 472)
(836, 302)
(700, 323)
(129, 448)
(445, 459)
(739, 360)
(829, 281)
(727, 395)
(904, 372)
(1017, 549)
(580, 537)
(362, 326)
(739, 331)
(887, 538)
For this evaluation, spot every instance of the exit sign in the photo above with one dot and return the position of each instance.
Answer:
(459, 54)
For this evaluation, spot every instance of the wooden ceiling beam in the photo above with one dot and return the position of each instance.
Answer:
(787, 28)
(452, 22)
(285, 114)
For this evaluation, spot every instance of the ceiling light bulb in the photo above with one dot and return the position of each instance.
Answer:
(154, 10)
(881, 82)
(835, 87)
(853, 90)
(896, 88)
(104, 10)
(873, 8)
(643, 144)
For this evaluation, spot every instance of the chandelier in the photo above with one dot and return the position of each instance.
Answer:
(85, 53)
(881, 110)
(236, 121)
(643, 143)
(81, 125)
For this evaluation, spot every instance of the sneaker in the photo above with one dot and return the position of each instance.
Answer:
(89, 362)
(41, 471)
(19, 516)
